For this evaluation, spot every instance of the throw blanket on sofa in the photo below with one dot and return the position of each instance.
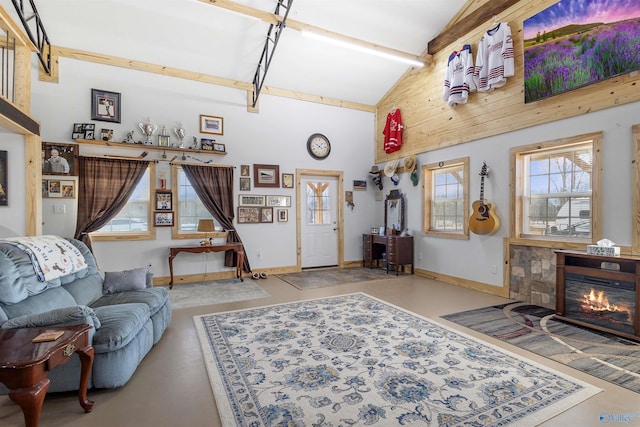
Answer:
(51, 256)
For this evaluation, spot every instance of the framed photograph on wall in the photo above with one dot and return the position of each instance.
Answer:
(59, 159)
(164, 201)
(250, 200)
(163, 219)
(211, 124)
(244, 170)
(283, 215)
(206, 144)
(219, 148)
(266, 214)
(287, 180)
(55, 188)
(266, 175)
(248, 215)
(105, 106)
(68, 189)
(282, 201)
(4, 200)
(245, 184)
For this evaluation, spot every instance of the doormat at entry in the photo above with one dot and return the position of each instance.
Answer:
(334, 276)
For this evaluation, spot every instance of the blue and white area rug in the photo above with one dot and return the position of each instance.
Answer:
(356, 360)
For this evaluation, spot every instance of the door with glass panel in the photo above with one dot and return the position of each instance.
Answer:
(319, 221)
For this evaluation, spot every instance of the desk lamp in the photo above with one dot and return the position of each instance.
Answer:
(206, 226)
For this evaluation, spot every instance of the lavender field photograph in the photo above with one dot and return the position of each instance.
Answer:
(578, 42)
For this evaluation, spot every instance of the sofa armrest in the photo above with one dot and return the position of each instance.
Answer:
(74, 315)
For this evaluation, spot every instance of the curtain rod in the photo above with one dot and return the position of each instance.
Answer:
(109, 156)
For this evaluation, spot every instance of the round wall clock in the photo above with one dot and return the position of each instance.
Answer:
(318, 146)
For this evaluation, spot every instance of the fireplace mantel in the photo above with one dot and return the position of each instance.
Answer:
(620, 276)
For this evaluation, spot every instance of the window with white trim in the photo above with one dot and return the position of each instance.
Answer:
(446, 211)
(556, 182)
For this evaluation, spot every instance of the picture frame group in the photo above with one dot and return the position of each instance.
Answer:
(84, 131)
(58, 189)
(59, 159)
(258, 200)
(254, 215)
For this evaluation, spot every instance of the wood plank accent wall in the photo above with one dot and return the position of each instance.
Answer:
(431, 124)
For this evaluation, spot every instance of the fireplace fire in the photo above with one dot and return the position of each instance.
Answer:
(591, 294)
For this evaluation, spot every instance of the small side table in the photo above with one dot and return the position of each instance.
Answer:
(24, 365)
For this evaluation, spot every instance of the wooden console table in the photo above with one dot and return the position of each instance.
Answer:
(398, 249)
(24, 365)
(236, 247)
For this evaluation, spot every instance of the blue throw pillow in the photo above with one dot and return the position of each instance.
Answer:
(127, 280)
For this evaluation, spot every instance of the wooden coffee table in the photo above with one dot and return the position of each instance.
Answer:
(24, 365)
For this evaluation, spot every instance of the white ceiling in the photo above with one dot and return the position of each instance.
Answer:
(197, 36)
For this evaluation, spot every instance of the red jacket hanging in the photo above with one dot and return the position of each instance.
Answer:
(393, 132)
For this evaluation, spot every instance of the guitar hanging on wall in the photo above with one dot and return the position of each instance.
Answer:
(483, 220)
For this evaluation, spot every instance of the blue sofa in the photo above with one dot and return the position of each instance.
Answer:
(127, 324)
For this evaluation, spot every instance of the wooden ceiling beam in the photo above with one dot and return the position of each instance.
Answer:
(469, 23)
(272, 18)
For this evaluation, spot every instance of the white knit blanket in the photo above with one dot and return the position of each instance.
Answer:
(51, 256)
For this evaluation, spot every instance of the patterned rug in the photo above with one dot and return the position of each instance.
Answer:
(533, 328)
(312, 279)
(354, 359)
(214, 292)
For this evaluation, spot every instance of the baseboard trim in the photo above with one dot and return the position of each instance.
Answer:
(470, 284)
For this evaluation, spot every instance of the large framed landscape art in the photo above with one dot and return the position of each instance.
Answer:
(575, 43)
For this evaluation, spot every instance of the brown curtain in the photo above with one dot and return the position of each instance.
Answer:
(104, 188)
(214, 186)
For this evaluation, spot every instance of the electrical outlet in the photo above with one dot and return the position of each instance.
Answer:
(58, 209)
(259, 254)
(494, 269)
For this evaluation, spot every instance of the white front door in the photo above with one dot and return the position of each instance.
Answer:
(319, 221)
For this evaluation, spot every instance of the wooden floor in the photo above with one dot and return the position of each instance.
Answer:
(171, 387)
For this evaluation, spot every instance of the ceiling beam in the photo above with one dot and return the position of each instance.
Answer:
(57, 51)
(465, 25)
(272, 19)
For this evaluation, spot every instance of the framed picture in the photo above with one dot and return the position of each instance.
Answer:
(282, 201)
(219, 148)
(105, 106)
(250, 200)
(163, 219)
(106, 134)
(3, 178)
(45, 188)
(248, 215)
(595, 48)
(59, 159)
(244, 170)
(283, 215)
(211, 124)
(164, 201)
(78, 131)
(89, 131)
(206, 144)
(266, 214)
(54, 188)
(287, 180)
(359, 184)
(68, 189)
(266, 175)
(245, 184)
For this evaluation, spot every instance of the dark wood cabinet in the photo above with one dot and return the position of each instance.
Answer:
(398, 250)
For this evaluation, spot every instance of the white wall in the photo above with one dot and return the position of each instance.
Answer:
(276, 135)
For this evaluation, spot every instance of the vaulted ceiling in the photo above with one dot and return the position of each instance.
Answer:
(225, 39)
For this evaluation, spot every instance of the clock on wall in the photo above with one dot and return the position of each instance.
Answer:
(318, 146)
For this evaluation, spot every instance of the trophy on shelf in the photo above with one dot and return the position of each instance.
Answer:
(148, 130)
(179, 131)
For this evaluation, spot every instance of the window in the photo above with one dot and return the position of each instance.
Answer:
(318, 203)
(190, 209)
(446, 212)
(134, 220)
(556, 182)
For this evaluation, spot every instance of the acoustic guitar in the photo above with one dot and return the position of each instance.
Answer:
(483, 220)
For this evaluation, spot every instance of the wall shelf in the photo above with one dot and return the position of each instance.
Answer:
(147, 147)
